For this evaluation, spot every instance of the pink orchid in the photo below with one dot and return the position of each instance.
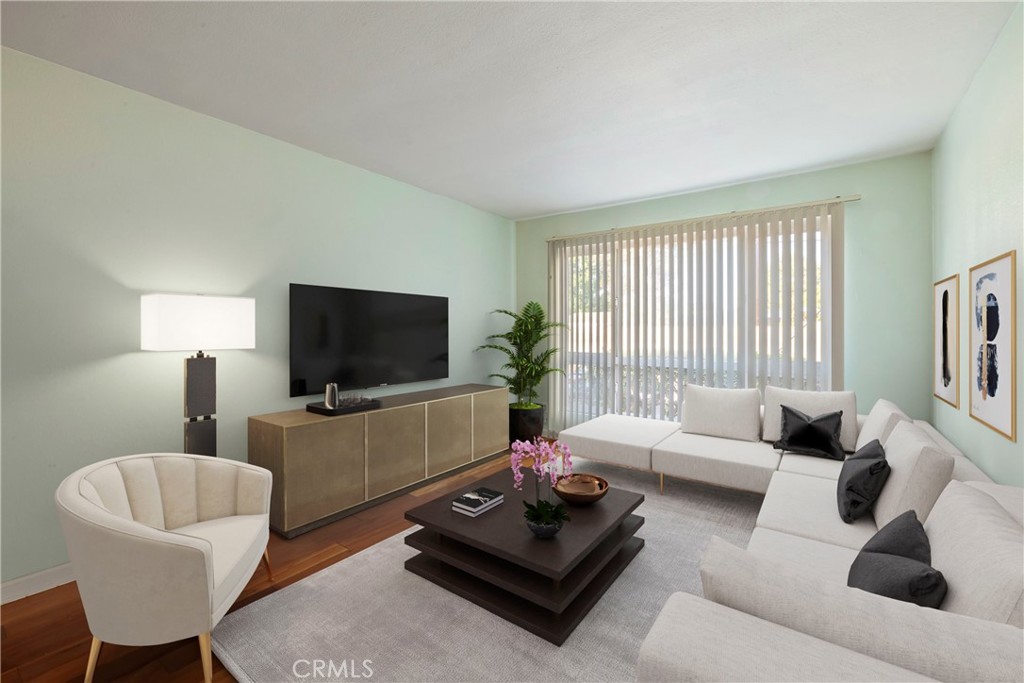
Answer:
(551, 461)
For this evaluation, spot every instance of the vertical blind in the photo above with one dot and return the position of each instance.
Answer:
(738, 300)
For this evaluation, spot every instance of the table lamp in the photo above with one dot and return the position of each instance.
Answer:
(180, 322)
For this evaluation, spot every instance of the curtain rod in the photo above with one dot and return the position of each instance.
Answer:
(731, 214)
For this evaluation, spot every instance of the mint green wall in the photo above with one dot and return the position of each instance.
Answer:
(887, 261)
(978, 181)
(108, 194)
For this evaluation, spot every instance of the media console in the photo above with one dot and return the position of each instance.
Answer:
(326, 467)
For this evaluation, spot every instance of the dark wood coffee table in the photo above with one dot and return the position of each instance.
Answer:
(544, 586)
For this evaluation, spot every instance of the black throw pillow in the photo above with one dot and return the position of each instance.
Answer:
(895, 563)
(861, 480)
(818, 436)
(903, 536)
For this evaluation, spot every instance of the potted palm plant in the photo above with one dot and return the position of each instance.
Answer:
(526, 366)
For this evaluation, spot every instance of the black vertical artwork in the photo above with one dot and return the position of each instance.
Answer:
(986, 318)
(946, 375)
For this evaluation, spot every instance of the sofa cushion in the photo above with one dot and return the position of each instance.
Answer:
(964, 468)
(728, 413)
(618, 439)
(919, 472)
(979, 547)
(744, 465)
(1010, 498)
(806, 506)
(816, 435)
(861, 481)
(698, 640)
(881, 421)
(826, 559)
(895, 563)
(812, 403)
(940, 440)
(811, 466)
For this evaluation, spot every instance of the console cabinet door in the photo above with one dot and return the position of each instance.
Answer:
(395, 448)
(323, 469)
(490, 422)
(449, 434)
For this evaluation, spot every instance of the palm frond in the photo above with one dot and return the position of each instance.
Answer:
(527, 367)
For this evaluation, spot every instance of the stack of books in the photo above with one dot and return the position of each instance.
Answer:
(477, 501)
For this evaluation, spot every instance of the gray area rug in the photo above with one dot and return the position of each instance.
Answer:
(368, 607)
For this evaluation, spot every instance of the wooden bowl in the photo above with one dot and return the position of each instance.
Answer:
(581, 489)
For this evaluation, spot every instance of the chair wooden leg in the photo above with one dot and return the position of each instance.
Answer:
(206, 651)
(661, 483)
(94, 655)
(266, 561)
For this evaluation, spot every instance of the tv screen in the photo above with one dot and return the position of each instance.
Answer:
(359, 338)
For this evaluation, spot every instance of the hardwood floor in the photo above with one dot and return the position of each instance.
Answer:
(44, 637)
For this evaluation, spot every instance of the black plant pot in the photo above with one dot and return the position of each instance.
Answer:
(525, 424)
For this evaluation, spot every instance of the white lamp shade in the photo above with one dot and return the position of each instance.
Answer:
(180, 322)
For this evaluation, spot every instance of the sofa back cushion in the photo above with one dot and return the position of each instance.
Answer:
(978, 546)
(1011, 498)
(964, 468)
(918, 471)
(880, 422)
(727, 413)
(813, 403)
(941, 441)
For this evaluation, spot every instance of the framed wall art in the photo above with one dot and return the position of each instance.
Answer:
(993, 341)
(946, 340)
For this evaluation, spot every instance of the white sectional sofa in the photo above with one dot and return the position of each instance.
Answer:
(676, 450)
(781, 609)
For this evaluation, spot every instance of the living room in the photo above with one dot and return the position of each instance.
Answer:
(115, 188)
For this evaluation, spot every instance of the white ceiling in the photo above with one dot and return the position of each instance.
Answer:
(526, 109)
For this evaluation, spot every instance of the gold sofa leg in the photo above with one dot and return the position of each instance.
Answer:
(661, 483)
(266, 561)
(94, 655)
(205, 650)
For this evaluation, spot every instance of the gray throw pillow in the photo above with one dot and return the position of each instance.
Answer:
(861, 480)
(896, 563)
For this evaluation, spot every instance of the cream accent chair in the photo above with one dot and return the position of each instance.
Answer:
(162, 544)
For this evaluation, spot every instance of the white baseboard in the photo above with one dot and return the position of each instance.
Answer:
(30, 584)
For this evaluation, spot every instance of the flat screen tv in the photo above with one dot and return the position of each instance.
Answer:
(359, 338)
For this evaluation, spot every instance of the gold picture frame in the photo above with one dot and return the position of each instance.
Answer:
(946, 340)
(992, 391)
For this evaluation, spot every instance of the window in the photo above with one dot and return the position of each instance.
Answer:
(738, 300)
